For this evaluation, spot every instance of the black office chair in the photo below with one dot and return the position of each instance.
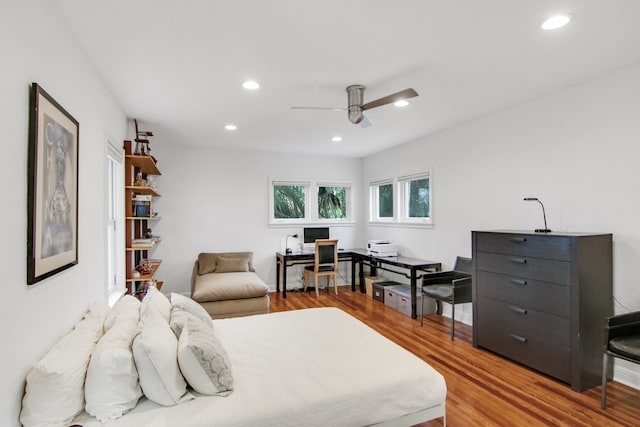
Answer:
(452, 287)
(621, 340)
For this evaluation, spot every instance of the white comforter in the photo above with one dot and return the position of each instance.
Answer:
(313, 367)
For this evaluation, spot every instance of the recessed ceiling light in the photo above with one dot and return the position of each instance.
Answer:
(336, 139)
(251, 85)
(231, 127)
(401, 103)
(555, 22)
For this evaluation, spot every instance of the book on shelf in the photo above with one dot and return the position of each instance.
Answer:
(142, 205)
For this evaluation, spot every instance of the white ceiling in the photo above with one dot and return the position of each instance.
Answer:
(178, 65)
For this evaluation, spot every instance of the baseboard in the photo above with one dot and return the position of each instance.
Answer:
(626, 373)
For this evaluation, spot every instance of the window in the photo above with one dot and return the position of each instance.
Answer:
(334, 202)
(415, 198)
(115, 223)
(304, 202)
(381, 201)
(411, 205)
(289, 202)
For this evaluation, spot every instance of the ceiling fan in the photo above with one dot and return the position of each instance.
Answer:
(356, 107)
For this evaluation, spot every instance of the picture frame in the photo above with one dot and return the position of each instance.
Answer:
(52, 202)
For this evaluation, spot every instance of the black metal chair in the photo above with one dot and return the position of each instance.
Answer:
(452, 287)
(621, 340)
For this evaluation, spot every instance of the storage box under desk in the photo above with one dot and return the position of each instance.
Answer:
(379, 289)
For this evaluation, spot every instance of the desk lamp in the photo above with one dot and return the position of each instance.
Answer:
(539, 230)
(286, 243)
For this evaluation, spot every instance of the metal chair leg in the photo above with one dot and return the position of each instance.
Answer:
(605, 362)
(453, 320)
(421, 309)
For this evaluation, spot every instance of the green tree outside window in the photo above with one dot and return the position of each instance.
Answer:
(332, 203)
(289, 201)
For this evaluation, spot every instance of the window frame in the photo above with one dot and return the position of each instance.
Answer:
(374, 202)
(286, 221)
(115, 285)
(403, 198)
(348, 202)
(311, 202)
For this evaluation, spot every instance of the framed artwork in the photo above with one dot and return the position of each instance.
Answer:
(52, 231)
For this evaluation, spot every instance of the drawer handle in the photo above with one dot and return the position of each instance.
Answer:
(518, 338)
(519, 282)
(517, 310)
(518, 239)
(518, 260)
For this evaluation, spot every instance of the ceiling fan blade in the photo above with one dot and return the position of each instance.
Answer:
(295, 107)
(389, 99)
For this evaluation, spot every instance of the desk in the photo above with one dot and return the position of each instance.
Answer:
(414, 265)
(360, 257)
(284, 260)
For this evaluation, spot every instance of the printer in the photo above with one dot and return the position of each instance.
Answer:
(381, 248)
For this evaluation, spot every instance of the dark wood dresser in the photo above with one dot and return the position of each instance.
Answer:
(542, 299)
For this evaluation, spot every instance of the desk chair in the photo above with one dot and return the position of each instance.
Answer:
(452, 287)
(325, 264)
(621, 340)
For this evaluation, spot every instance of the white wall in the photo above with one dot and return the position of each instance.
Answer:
(37, 46)
(216, 200)
(576, 150)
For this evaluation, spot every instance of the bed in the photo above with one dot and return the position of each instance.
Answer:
(311, 367)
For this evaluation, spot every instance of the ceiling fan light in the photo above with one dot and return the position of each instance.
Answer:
(401, 103)
(230, 127)
(555, 22)
(336, 139)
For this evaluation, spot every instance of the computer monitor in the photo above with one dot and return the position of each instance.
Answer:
(314, 233)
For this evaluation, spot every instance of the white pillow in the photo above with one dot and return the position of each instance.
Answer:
(126, 305)
(54, 393)
(202, 359)
(112, 387)
(187, 304)
(155, 351)
(157, 300)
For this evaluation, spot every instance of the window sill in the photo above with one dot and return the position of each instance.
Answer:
(400, 224)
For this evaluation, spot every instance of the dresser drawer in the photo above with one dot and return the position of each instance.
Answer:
(545, 270)
(542, 296)
(551, 247)
(538, 340)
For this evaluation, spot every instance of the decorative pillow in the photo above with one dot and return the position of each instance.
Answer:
(156, 299)
(55, 385)
(231, 265)
(112, 387)
(128, 304)
(178, 320)
(202, 359)
(190, 306)
(226, 286)
(155, 351)
(208, 262)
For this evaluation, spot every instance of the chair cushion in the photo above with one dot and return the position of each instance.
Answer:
(227, 286)
(628, 346)
(323, 268)
(443, 291)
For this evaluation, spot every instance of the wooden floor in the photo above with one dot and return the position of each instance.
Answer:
(483, 389)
